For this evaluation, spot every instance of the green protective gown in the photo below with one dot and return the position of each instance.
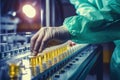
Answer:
(97, 21)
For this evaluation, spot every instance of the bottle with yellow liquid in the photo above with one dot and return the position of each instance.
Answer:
(56, 56)
(33, 61)
(40, 60)
(14, 70)
(50, 58)
(54, 59)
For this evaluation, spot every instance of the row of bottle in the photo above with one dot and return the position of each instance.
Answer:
(49, 57)
(45, 60)
(41, 62)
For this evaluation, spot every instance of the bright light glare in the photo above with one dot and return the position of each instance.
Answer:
(29, 10)
(14, 13)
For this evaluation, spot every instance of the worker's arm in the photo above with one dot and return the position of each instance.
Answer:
(90, 25)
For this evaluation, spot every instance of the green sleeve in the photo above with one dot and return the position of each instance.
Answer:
(91, 24)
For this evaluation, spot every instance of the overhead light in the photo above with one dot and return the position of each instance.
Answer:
(29, 10)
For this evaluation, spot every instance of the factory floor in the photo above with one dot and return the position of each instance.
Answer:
(106, 74)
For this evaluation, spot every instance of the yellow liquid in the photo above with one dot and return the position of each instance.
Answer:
(13, 70)
(33, 61)
(40, 60)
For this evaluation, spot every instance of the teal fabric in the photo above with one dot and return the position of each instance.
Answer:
(92, 25)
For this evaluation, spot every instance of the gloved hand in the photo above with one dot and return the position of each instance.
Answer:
(45, 34)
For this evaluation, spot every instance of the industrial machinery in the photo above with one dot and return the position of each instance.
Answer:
(60, 62)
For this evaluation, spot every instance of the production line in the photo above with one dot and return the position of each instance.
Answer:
(55, 63)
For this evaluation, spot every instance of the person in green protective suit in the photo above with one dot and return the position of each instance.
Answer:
(97, 21)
